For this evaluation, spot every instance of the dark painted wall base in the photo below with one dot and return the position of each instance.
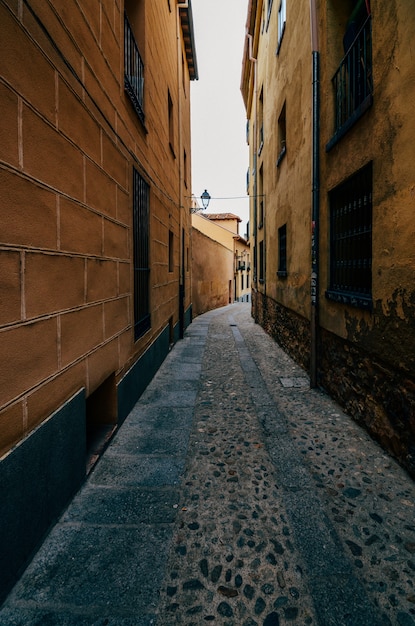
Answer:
(290, 331)
(37, 480)
(131, 387)
(39, 477)
(376, 394)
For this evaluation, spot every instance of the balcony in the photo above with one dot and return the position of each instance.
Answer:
(353, 84)
(133, 71)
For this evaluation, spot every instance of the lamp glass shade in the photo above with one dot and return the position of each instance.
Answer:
(205, 197)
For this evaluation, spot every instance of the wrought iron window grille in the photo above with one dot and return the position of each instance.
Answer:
(141, 214)
(351, 241)
(133, 71)
(353, 83)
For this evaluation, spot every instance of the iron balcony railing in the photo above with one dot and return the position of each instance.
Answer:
(353, 82)
(133, 70)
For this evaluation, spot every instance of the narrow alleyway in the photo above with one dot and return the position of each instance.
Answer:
(232, 495)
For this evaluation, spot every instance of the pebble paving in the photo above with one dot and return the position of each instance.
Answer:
(233, 495)
(289, 513)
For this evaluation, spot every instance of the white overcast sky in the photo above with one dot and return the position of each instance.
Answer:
(219, 149)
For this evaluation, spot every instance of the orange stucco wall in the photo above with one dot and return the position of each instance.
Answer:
(69, 139)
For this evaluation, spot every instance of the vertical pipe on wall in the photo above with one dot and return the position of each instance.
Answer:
(315, 210)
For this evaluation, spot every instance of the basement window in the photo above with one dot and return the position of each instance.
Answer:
(101, 420)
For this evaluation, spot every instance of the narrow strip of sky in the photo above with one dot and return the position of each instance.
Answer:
(219, 150)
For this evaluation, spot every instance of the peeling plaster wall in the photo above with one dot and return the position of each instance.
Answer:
(368, 358)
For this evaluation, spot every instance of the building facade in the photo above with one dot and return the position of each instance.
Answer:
(95, 236)
(220, 262)
(329, 88)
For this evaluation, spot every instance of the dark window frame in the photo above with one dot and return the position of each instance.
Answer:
(353, 83)
(282, 20)
(351, 214)
(282, 252)
(171, 251)
(261, 253)
(170, 113)
(282, 134)
(141, 251)
(133, 71)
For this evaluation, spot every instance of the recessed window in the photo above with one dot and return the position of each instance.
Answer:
(353, 80)
(133, 59)
(171, 120)
(261, 262)
(261, 122)
(281, 22)
(141, 226)
(185, 173)
(171, 251)
(282, 251)
(261, 197)
(282, 135)
(351, 240)
(270, 3)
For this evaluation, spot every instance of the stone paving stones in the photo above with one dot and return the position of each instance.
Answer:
(233, 495)
(273, 538)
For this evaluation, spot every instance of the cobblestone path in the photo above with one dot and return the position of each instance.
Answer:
(289, 513)
(232, 495)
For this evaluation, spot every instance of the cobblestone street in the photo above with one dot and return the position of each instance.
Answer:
(232, 495)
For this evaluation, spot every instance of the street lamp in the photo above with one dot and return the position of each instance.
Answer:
(205, 197)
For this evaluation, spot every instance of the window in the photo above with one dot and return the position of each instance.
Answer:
(185, 168)
(261, 261)
(282, 135)
(133, 70)
(171, 251)
(282, 251)
(351, 240)
(261, 122)
(270, 3)
(353, 80)
(261, 197)
(141, 212)
(281, 23)
(171, 121)
(242, 282)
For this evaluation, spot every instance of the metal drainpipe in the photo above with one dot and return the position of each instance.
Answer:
(315, 211)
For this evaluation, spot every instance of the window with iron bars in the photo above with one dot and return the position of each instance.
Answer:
(353, 83)
(133, 71)
(282, 251)
(351, 240)
(141, 222)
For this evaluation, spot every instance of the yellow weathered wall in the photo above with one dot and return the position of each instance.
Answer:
(69, 139)
(283, 78)
(365, 358)
(212, 269)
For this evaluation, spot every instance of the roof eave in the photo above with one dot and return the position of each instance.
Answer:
(186, 20)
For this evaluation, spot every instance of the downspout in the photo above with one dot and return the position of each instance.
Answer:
(315, 210)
